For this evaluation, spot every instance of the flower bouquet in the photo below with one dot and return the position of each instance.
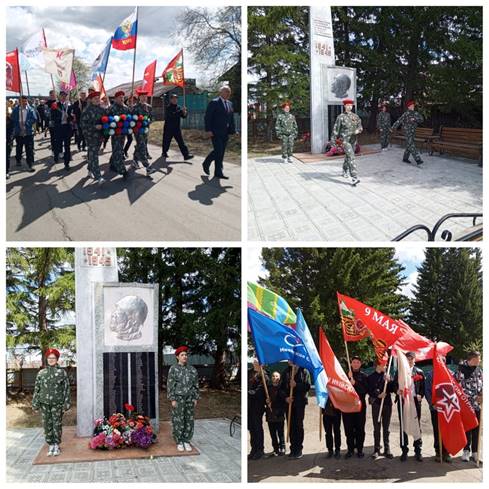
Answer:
(119, 431)
(124, 124)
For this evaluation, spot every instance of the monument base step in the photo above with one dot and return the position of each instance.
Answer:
(321, 157)
(75, 449)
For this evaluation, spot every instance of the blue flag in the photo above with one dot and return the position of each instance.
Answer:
(99, 66)
(318, 373)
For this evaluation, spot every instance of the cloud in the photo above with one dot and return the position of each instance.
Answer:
(255, 269)
(411, 253)
(408, 288)
(86, 29)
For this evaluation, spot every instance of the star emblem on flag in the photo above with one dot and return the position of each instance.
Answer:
(447, 401)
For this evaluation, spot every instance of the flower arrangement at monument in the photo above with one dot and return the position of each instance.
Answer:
(120, 431)
(125, 124)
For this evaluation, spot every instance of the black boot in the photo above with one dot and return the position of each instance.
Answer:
(418, 456)
(419, 162)
(404, 456)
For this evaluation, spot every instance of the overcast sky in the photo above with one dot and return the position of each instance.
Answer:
(411, 256)
(87, 29)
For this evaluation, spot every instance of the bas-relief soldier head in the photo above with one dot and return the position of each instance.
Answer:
(128, 317)
(340, 86)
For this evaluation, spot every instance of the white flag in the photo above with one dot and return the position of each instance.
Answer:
(59, 62)
(410, 419)
(32, 49)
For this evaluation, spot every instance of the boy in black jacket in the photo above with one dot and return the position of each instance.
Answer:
(332, 429)
(256, 409)
(275, 415)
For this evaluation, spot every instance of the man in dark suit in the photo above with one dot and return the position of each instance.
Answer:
(62, 116)
(219, 124)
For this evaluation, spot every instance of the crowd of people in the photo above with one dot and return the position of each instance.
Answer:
(89, 122)
(377, 390)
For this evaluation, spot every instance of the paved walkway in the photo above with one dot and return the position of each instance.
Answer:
(313, 202)
(315, 467)
(219, 460)
(178, 202)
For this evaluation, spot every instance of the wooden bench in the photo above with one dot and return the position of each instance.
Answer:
(467, 142)
(422, 136)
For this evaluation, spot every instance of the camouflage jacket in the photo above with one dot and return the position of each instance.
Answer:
(89, 119)
(182, 383)
(142, 109)
(286, 125)
(346, 126)
(470, 379)
(383, 120)
(52, 387)
(409, 120)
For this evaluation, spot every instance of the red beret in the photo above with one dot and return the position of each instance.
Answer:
(93, 94)
(52, 351)
(119, 93)
(180, 349)
(348, 101)
(287, 103)
(410, 102)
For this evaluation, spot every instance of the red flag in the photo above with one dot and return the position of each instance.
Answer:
(353, 330)
(12, 78)
(149, 78)
(423, 347)
(342, 394)
(455, 414)
(173, 74)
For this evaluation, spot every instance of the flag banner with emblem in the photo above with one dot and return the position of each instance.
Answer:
(31, 50)
(173, 74)
(59, 62)
(98, 84)
(421, 346)
(275, 342)
(342, 394)
(271, 304)
(12, 75)
(125, 36)
(318, 374)
(99, 66)
(410, 421)
(68, 87)
(149, 78)
(455, 414)
(353, 330)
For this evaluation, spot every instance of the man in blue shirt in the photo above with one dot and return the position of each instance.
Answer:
(24, 120)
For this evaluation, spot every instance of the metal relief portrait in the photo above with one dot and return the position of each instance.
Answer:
(128, 317)
(341, 84)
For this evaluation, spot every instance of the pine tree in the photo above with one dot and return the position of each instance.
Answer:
(40, 298)
(310, 277)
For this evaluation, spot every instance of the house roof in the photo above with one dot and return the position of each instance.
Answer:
(159, 89)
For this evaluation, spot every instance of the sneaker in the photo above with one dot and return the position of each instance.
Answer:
(50, 451)
(150, 170)
(297, 455)
(388, 454)
(406, 160)
(101, 180)
(466, 456)
(56, 450)
(419, 162)
(180, 447)
(31, 170)
(8, 176)
(187, 446)
(355, 181)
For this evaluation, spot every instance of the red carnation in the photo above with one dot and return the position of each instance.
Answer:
(120, 124)
(139, 124)
(417, 377)
(105, 119)
(54, 106)
(129, 407)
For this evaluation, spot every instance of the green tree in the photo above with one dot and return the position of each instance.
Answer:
(447, 303)
(40, 298)
(310, 277)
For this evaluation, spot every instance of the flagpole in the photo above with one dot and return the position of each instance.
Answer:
(27, 83)
(134, 58)
(183, 69)
(440, 442)
(264, 381)
(21, 116)
(385, 388)
(291, 392)
(479, 437)
(320, 423)
(348, 358)
(46, 45)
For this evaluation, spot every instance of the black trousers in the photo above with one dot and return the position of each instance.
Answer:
(354, 424)
(80, 139)
(385, 422)
(417, 444)
(168, 135)
(473, 436)
(297, 427)
(128, 143)
(9, 151)
(276, 429)
(255, 427)
(42, 123)
(332, 431)
(28, 143)
(436, 442)
(52, 141)
(217, 154)
(63, 135)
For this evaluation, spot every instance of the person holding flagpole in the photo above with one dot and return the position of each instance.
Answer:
(173, 114)
(62, 116)
(256, 410)
(275, 415)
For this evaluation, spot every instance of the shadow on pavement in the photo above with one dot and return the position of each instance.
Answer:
(206, 192)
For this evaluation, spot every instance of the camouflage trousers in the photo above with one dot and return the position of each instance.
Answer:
(182, 420)
(411, 149)
(385, 136)
(141, 151)
(349, 165)
(117, 158)
(52, 418)
(287, 145)
(93, 147)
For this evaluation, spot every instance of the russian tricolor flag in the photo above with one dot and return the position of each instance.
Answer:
(126, 34)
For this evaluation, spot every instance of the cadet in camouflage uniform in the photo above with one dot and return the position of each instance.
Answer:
(346, 128)
(117, 158)
(141, 151)
(183, 391)
(52, 398)
(384, 126)
(91, 127)
(286, 129)
(409, 121)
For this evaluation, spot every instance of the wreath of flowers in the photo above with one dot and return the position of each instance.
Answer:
(125, 124)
